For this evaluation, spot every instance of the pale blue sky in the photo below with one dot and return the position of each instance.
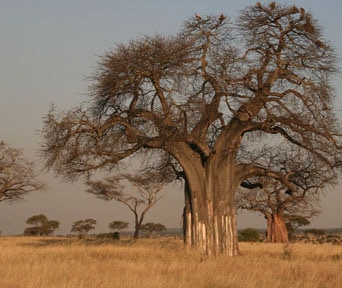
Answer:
(48, 48)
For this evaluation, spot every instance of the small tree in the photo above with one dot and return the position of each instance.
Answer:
(293, 223)
(83, 226)
(17, 177)
(145, 195)
(117, 226)
(151, 227)
(42, 226)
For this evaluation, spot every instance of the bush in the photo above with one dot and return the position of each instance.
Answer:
(249, 235)
(116, 235)
(109, 235)
(317, 232)
(104, 236)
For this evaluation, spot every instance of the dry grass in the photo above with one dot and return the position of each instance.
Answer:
(61, 262)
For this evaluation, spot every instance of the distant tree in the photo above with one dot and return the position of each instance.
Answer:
(83, 226)
(117, 226)
(17, 177)
(293, 223)
(308, 175)
(145, 194)
(42, 226)
(151, 227)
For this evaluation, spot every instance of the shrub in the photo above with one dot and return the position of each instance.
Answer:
(317, 232)
(249, 235)
(116, 235)
(104, 236)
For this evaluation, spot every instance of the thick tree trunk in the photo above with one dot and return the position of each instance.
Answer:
(213, 230)
(209, 220)
(209, 215)
(276, 229)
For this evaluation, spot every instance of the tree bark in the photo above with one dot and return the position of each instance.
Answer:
(138, 223)
(276, 229)
(209, 220)
(213, 229)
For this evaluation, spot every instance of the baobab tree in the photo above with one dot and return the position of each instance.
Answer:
(138, 192)
(17, 177)
(196, 95)
(280, 205)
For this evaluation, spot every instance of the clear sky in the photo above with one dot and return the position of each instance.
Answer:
(47, 50)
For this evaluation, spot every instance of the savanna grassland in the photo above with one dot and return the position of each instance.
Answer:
(51, 262)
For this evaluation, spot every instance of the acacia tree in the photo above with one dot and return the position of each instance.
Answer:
(41, 225)
(83, 226)
(294, 223)
(17, 177)
(117, 226)
(279, 204)
(196, 95)
(151, 227)
(139, 198)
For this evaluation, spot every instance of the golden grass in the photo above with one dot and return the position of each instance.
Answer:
(29, 262)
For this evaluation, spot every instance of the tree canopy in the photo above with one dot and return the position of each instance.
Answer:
(152, 227)
(118, 225)
(83, 226)
(41, 225)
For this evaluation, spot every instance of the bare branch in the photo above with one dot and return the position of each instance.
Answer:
(17, 177)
